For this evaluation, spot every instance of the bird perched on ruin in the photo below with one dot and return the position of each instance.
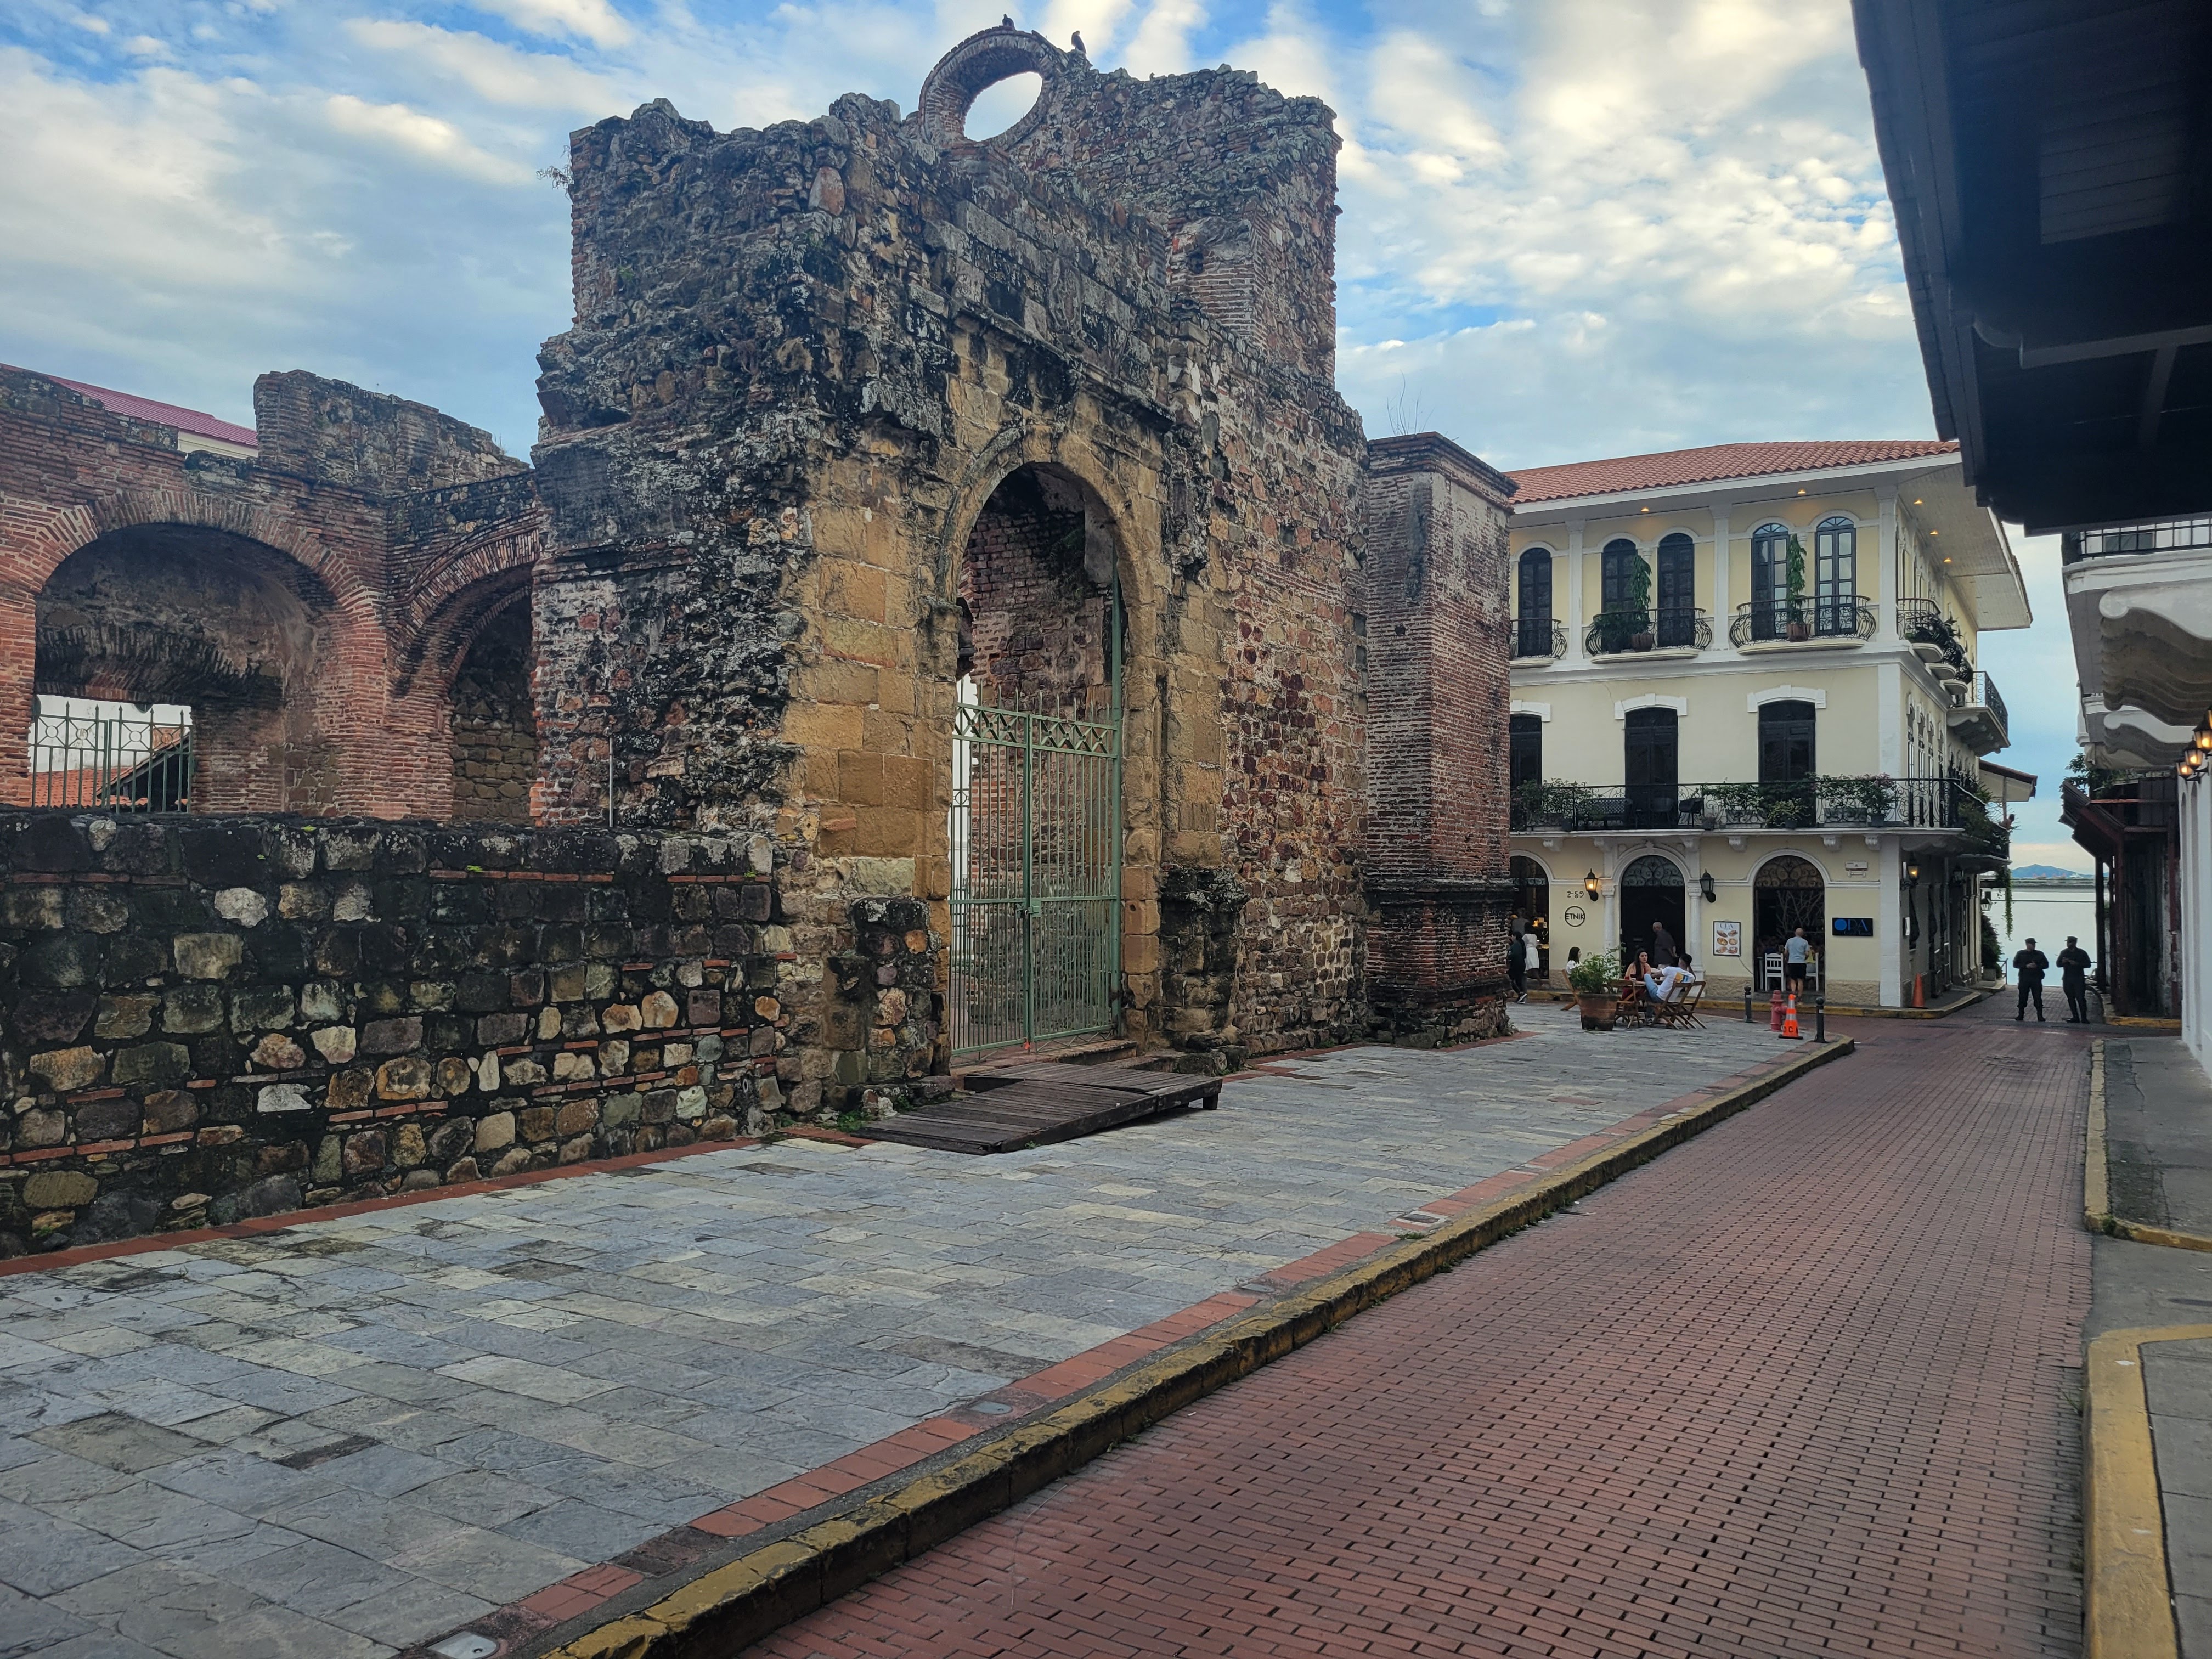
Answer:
(1077, 38)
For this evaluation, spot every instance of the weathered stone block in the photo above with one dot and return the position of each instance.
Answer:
(190, 1010)
(536, 1123)
(207, 955)
(152, 1065)
(337, 1044)
(278, 1053)
(391, 1036)
(408, 1078)
(363, 1153)
(124, 1017)
(168, 1110)
(59, 1189)
(576, 1117)
(494, 1131)
(283, 1098)
(63, 1071)
(106, 1119)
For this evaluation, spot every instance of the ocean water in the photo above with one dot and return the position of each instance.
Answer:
(2046, 915)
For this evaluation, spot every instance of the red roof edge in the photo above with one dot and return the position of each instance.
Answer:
(1674, 468)
(148, 408)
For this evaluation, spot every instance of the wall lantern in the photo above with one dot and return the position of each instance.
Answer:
(2203, 738)
(1912, 872)
(1705, 886)
(1590, 883)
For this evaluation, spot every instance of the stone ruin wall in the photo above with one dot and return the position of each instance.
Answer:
(211, 1020)
(803, 360)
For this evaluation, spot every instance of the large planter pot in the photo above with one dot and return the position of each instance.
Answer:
(1641, 641)
(1599, 1012)
(1798, 632)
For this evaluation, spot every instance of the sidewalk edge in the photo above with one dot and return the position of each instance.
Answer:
(2127, 1600)
(2096, 1177)
(731, 1606)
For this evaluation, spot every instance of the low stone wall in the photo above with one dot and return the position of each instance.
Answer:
(210, 1018)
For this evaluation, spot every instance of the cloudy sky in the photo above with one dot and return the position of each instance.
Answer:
(1572, 228)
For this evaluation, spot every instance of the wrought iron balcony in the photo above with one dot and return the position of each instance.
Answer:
(1653, 628)
(1941, 803)
(1831, 617)
(1922, 625)
(1536, 636)
(1978, 715)
(2173, 536)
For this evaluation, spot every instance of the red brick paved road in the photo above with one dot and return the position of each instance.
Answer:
(1800, 1387)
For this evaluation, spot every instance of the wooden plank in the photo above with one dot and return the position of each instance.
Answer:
(1064, 1103)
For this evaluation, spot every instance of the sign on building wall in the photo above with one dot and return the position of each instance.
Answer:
(1853, 926)
(1728, 939)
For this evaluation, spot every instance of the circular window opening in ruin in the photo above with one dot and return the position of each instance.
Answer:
(1001, 104)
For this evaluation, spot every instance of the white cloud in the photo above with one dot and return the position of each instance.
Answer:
(1161, 43)
(595, 20)
(434, 140)
(497, 73)
(1100, 20)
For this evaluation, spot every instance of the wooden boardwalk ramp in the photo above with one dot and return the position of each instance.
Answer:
(1042, 1102)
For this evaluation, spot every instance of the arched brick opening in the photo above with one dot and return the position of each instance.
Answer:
(1035, 583)
(494, 730)
(235, 629)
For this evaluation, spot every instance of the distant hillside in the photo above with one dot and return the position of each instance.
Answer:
(2053, 874)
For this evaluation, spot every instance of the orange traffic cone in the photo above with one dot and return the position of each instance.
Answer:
(1789, 1018)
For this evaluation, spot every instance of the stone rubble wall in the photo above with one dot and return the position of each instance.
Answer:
(210, 1018)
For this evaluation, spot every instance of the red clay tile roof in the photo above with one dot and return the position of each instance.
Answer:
(1712, 464)
(145, 409)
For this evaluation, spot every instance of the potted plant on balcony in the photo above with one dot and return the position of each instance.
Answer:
(1593, 982)
(1641, 637)
(1793, 623)
(1857, 800)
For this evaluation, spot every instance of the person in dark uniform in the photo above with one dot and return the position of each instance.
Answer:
(2074, 975)
(1516, 957)
(2031, 964)
(1664, 953)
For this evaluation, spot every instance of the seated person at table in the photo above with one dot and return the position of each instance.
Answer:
(1659, 983)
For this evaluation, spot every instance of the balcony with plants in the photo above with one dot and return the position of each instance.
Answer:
(1948, 805)
(1794, 616)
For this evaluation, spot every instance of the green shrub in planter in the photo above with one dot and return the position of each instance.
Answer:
(1594, 976)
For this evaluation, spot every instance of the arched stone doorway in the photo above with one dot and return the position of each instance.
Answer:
(1033, 830)
(224, 634)
(1652, 890)
(1788, 893)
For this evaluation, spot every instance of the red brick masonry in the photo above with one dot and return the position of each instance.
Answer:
(1799, 1388)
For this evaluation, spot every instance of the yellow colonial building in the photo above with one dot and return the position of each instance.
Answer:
(1746, 700)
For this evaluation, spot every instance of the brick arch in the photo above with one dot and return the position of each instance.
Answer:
(1011, 450)
(71, 529)
(443, 612)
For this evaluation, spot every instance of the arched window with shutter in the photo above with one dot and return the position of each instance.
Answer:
(1835, 576)
(1677, 590)
(1769, 580)
(1532, 619)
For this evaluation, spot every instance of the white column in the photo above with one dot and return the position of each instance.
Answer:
(1723, 611)
(1889, 923)
(2196, 870)
(1889, 715)
(1576, 623)
(1885, 610)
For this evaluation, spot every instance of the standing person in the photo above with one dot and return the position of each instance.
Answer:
(1532, 961)
(1517, 958)
(2074, 975)
(1797, 952)
(1663, 950)
(2031, 964)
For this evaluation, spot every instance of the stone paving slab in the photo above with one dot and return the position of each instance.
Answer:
(354, 1435)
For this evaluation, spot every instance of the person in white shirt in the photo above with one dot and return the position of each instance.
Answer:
(1796, 951)
(1659, 983)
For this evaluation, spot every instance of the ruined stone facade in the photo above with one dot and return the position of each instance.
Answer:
(858, 417)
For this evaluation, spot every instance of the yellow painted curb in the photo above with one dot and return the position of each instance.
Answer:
(2096, 1177)
(2128, 1603)
(739, 1602)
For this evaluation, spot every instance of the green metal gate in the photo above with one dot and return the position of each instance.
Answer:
(1036, 875)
